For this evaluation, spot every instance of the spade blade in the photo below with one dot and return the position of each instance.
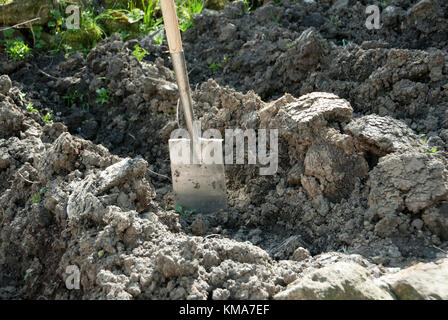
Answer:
(200, 186)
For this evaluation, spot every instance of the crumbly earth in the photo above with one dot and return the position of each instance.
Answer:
(359, 201)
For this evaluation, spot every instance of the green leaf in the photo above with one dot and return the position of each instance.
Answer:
(179, 209)
(8, 33)
(135, 15)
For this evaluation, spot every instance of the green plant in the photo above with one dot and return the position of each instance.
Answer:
(333, 22)
(139, 53)
(8, 33)
(88, 34)
(184, 213)
(30, 108)
(56, 20)
(86, 106)
(47, 117)
(55, 27)
(17, 50)
(135, 15)
(383, 3)
(102, 96)
(215, 65)
(22, 96)
(37, 35)
(69, 99)
(124, 34)
(36, 198)
(250, 5)
(425, 141)
(247, 5)
(158, 38)
(72, 97)
(149, 20)
(186, 11)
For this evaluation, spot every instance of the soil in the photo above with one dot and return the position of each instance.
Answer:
(363, 169)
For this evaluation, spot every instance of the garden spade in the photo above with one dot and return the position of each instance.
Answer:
(198, 179)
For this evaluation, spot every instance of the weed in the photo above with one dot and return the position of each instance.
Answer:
(17, 50)
(36, 198)
(100, 253)
(88, 34)
(247, 5)
(55, 25)
(69, 99)
(37, 35)
(425, 141)
(158, 38)
(149, 20)
(383, 3)
(22, 96)
(56, 20)
(187, 9)
(184, 213)
(124, 34)
(250, 5)
(47, 117)
(30, 108)
(135, 15)
(103, 96)
(139, 53)
(72, 97)
(215, 65)
(334, 22)
(8, 33)
(86, 106)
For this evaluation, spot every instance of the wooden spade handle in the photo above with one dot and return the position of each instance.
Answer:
(171, 25)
